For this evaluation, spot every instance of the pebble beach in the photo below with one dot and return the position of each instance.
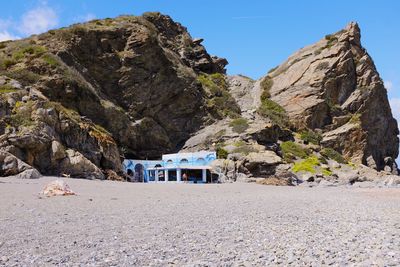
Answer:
(125, 224)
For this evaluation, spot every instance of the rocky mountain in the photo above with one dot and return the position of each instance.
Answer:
(75, 101)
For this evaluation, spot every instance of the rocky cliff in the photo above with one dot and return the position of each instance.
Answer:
(333, 86)
(75, 101)
(324, 112)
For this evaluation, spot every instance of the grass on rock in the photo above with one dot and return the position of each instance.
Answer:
(309, 136)
(239, 125)
(270, 109)
(330, 153)
(306, 165)
(221, 153)
(291, 151)
(7, 89)
(220, 102)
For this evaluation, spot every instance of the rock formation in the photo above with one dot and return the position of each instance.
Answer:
(325, 106)
(75, 101)
(334, 86)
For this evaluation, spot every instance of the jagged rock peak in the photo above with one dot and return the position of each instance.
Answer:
(354, 32)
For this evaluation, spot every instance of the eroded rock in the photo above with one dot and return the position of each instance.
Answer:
(12, 166)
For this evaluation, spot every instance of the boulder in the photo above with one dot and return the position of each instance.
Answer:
(262, 164)
(271, 133)
(225, 169)
(57, 151)
(76, 165)
(12, 166)
(349, 177)
(29, 174)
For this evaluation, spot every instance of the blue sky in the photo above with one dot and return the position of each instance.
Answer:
(253, 35)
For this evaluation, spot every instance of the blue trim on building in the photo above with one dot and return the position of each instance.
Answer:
(145, 170)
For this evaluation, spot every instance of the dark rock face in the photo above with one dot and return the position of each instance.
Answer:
(140, 75)
(77, 94)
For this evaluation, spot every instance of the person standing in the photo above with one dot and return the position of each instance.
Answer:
(185, 177)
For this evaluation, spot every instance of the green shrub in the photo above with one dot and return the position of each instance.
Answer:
(6, 89)
(356, 118)
(352, 165)
(50, 59)
(24, 76)
(22, 114)
(30, 50)
(266, 85)
(8, 62)
(216, 82)
(244, 149)
(322, 160)
(309, 136)
(273, 111)
(332, 39)
(219, 134)
(3, 45)
(220, 102)
(221, 153)
(239, 125)
(307, 165)
(330, 153)
(292, 150)
(326, 172)
(269, 108)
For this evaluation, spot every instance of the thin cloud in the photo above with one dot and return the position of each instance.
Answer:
(6, 36)
(38, 20)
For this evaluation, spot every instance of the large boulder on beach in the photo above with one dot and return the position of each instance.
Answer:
(76, 165)
(12, 166)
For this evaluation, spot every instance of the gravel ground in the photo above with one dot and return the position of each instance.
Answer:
(123, 224)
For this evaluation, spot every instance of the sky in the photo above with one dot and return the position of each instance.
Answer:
(254, 35)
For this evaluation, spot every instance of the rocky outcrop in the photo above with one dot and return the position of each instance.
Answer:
(334, 86)
(12, 166)
(75, 101)
(136, 77)
(336, 106)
